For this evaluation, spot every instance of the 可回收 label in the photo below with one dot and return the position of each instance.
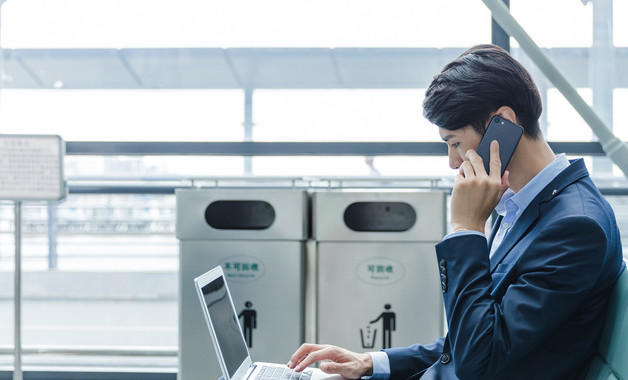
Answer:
(380, 271)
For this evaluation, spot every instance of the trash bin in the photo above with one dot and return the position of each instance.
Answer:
(258, 237)
(378, 284)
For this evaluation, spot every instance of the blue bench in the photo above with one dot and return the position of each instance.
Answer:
(611, 360)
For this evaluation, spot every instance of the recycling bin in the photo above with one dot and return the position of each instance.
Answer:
(378, 284)
(258, 237)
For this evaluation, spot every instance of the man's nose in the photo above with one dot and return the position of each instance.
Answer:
(454, 159)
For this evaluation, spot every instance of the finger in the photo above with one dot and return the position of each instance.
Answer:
(313, 357)
(302, 353)
(495, 166)
(467, 170)
(298, 355)
(305, 362)
(458, 178)
(476, 161)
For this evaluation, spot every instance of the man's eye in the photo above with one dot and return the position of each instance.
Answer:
(455, 145)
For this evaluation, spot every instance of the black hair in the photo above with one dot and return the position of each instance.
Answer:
(479, 82)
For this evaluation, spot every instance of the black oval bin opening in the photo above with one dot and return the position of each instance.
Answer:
(380, 216)
(240, 215)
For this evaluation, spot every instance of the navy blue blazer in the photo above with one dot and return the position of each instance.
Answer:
(535, 309)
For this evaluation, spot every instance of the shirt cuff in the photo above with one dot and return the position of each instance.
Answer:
(381, 366)
(462, 233)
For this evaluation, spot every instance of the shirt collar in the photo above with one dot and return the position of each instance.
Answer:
(523, 198)
(501, 206)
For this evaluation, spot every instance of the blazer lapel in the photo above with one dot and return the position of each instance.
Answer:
(576, 171)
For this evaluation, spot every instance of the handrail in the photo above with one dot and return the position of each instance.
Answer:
(130, 148)
(170, 190)
(152, 351)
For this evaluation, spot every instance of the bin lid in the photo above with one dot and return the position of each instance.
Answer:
(242, 214)
(379, 215)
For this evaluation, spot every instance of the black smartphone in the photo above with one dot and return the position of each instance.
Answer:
(507, 135)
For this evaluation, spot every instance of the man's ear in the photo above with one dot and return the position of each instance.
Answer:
(507, 113)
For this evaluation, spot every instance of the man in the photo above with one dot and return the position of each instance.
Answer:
(529, 301)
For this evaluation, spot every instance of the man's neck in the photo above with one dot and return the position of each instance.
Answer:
(530, 157)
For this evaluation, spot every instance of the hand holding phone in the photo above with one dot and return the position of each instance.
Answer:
(507, 135)
(471, 206)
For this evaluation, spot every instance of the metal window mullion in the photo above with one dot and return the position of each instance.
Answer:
(602, 71)
(498, 36)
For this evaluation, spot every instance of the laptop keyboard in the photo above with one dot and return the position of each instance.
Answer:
(282, 373)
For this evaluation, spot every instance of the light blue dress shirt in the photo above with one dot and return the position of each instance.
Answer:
(510, 206)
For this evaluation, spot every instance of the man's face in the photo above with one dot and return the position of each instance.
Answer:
(458, 142)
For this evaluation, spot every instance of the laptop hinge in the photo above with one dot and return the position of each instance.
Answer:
(251, 371)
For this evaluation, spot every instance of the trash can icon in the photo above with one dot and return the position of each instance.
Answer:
(367, 337)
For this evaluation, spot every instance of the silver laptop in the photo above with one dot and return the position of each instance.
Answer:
(224, 327)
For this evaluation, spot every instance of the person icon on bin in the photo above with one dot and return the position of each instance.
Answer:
(388, 319)
(249, 322)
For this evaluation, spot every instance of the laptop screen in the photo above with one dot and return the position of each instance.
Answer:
(225, 323)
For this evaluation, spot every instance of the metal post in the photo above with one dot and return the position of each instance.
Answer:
(602, 71)
(615, 149)
(248, 128)
(17, 340)
(17, 371)
(498, 36)
(52, 235)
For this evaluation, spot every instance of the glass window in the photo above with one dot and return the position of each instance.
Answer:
(559, 23)
(108, 277)
(125, 115)
(395, 166)
(414, 166)
(564, 123)
(276, 23)
(154, 168)
(106, 281)
(341, 115)
(620, 28)
(620, 119)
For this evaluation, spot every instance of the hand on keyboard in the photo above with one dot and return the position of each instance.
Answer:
(350, 365)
